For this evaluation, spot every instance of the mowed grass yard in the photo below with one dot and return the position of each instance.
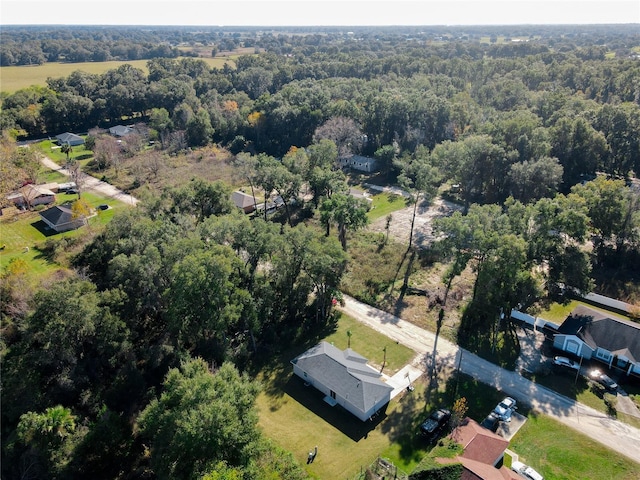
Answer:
(558, 453)
(558, 312)
(297, 418)
(15, 78)
(384, 204)
(26, 229)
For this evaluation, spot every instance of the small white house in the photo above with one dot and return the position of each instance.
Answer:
(345, 378)
(591, 334)
(70, 139)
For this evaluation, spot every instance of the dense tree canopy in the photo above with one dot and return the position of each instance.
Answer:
(114, 365)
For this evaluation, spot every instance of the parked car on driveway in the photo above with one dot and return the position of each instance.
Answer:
(491, 422)
(604, 380)
(566, 362)
(432, 426)
(505, 408)
(525, 471)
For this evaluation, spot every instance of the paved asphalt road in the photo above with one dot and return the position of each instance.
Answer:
(92, 183)
(612, 433)
(623, 438)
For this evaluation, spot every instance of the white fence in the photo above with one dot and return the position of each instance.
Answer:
(535, 322)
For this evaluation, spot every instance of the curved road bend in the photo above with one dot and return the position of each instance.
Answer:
(92, 183)
(596, 425)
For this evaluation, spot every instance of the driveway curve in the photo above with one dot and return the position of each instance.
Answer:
(596, 425)
(93, 184)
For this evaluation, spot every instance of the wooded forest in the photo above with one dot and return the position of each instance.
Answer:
(106, 366)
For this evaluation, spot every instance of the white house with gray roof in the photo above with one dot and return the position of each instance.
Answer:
(345, 378)
(596, 335)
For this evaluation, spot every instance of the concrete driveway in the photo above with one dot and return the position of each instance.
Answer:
(93, 184)
(596, 425)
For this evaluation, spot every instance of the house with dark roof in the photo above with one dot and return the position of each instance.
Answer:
(592, 334)
(71, 139)
(345, 378)
(243, 201)
(60, 218)
(483, 452)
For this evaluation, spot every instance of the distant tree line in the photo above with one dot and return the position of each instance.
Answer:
(131, 365)
(512, 112)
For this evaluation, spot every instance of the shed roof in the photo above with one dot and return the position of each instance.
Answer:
(597, 329)
(346, 373)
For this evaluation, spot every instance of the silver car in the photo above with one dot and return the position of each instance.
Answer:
(505, 408)
(566, 362)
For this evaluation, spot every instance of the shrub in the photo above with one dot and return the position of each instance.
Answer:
(611, 402)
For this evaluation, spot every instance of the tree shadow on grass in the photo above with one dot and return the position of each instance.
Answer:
(277, 370)
(312, 399)
(402, 425)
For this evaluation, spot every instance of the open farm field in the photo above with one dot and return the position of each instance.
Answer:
(15, 78)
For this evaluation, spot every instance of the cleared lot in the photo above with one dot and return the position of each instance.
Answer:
(400, 226)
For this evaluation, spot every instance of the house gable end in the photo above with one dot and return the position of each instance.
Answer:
(598, 330)
(345, 374)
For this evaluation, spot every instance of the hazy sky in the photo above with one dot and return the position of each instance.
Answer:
(318, 12)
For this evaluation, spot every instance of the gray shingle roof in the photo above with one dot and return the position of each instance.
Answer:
(346, 373)
(242, 200)
(120, 130)
(58, 215)
(70, 138)
(596, 329)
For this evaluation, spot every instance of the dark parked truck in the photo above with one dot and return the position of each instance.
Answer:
(432, 426)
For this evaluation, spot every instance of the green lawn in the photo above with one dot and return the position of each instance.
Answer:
(51, 149)
(384, 204)
(297, 418)
(370, 344)
(558, 452)
(28, 230)
(558, 312)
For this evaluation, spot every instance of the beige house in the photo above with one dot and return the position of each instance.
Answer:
(31, 195)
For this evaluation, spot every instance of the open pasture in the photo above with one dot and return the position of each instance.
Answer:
(15, 78)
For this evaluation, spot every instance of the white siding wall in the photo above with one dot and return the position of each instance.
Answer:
(572, 344)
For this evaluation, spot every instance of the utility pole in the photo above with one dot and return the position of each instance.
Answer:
(578, 372)
(455, 392)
